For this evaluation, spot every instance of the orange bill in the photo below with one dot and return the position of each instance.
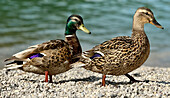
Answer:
(155, 23)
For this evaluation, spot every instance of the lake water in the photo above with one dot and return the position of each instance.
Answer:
(28, 22)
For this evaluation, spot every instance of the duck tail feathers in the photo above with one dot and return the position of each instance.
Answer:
(78, 64)
(14, 65)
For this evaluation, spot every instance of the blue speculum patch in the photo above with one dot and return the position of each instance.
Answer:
(95, 55)
(36, 55)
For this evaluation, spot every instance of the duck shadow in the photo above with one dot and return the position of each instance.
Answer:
(123, 83)
(126, 83)
(33, 81)
(88, 79)
(160, 82)
(94, 78)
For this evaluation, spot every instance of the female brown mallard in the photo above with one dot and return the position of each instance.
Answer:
(52, 57)
(122, 54)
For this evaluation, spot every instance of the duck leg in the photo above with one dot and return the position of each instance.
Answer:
(132, 80)
(103, 80)
(46, 76)
(50, 79)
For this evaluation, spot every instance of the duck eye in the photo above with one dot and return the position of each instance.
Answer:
(147, 13)
(76, 20)
(79, 23)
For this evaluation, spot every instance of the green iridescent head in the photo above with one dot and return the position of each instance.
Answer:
(75, 22)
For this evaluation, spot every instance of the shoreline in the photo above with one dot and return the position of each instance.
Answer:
(79, 82)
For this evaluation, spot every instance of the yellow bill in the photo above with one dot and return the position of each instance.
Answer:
(83, 28)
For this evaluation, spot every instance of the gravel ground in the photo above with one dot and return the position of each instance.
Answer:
(79, 83)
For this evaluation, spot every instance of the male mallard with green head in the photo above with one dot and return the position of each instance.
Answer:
(52, 57)
(122, 54)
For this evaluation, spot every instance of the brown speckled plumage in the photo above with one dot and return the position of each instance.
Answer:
(57, 58)
(74, 43)
(123, 54)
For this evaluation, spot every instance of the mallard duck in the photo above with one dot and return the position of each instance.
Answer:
(122, 54)
(52, 57)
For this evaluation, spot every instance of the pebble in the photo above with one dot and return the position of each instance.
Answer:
(81, 83)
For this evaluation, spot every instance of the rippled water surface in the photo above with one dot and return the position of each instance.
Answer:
(28, 22)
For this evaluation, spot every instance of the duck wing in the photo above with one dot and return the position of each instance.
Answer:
(39, 55)
(116, 53)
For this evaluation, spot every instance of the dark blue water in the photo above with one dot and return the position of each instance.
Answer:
(28, 22)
